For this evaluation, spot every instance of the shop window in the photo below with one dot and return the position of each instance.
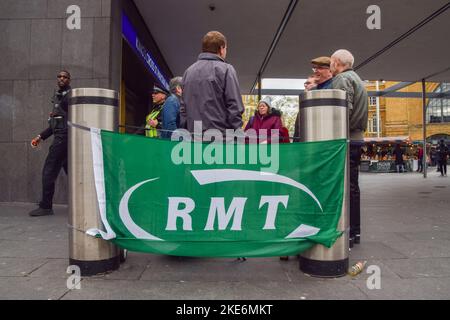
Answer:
(438, 110)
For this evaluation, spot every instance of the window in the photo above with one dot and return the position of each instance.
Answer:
(438, 110)
(372, 101)
(372, 125)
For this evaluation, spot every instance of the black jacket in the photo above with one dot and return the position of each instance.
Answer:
(442, 152)
(57, 121)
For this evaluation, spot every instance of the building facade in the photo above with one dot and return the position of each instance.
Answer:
(41, 37)
(403, 116)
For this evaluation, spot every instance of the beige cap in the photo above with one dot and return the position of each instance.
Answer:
(321, 61)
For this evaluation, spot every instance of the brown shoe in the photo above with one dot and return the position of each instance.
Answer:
(284, 258)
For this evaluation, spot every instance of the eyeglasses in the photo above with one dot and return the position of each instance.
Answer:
(314, 69)
(62, 76)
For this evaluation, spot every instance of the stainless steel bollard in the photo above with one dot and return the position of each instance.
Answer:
(88, 107)
(324, 116)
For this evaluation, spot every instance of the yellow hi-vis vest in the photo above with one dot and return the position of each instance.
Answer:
(151, 132)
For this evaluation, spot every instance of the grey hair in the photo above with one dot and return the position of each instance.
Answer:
(345, 57)
(174, 83)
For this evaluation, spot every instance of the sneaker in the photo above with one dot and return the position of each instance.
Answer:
(351, 241)
(41, 212)
(357, 238)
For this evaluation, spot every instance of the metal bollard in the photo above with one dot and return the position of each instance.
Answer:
(324, 116)
(88, 107)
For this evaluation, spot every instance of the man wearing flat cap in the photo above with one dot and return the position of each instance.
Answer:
(321, 68)
(153, 121)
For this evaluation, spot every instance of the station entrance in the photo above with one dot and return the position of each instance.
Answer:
(136, 89)
(142, 67)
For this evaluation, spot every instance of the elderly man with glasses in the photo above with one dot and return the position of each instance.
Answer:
(321, 69)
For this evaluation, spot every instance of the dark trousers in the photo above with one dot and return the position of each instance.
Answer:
(56, 159)
(443, 167)
(355, 208)
(420, 165)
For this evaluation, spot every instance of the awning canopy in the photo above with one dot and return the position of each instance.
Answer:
(395, 139)
(412, 43)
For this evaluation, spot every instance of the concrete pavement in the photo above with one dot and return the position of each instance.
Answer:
(406, 233)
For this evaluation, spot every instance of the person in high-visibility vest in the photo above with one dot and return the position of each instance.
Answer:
(153, 120)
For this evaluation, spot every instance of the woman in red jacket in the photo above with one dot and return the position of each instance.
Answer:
(264, 119)
(284, 132)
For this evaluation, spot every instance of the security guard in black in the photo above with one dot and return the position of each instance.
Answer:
(57, 155)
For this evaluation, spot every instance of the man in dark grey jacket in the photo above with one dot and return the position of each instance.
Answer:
(211, 92)
(346, 79)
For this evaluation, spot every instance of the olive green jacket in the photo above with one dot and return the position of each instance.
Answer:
(357, 100)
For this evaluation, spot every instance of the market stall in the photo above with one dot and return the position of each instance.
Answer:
(378, 154)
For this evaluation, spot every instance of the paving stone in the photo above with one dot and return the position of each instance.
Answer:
(409, 289)
(33, 249)
(436, 248)
(420, 268)
(25, 288)
(195, 269)
(374, 250)
(19, 267)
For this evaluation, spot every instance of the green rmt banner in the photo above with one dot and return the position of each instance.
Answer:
(162, 197)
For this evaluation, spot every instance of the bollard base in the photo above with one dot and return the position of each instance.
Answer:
(324, 269)
(91, 268)
(123, 254)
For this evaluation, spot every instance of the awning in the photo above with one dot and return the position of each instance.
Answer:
(397, 139)
(281, 37)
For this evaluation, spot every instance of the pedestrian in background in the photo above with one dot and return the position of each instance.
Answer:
(57, 153)
(442, 152)
(420, 159)
(398, 153)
